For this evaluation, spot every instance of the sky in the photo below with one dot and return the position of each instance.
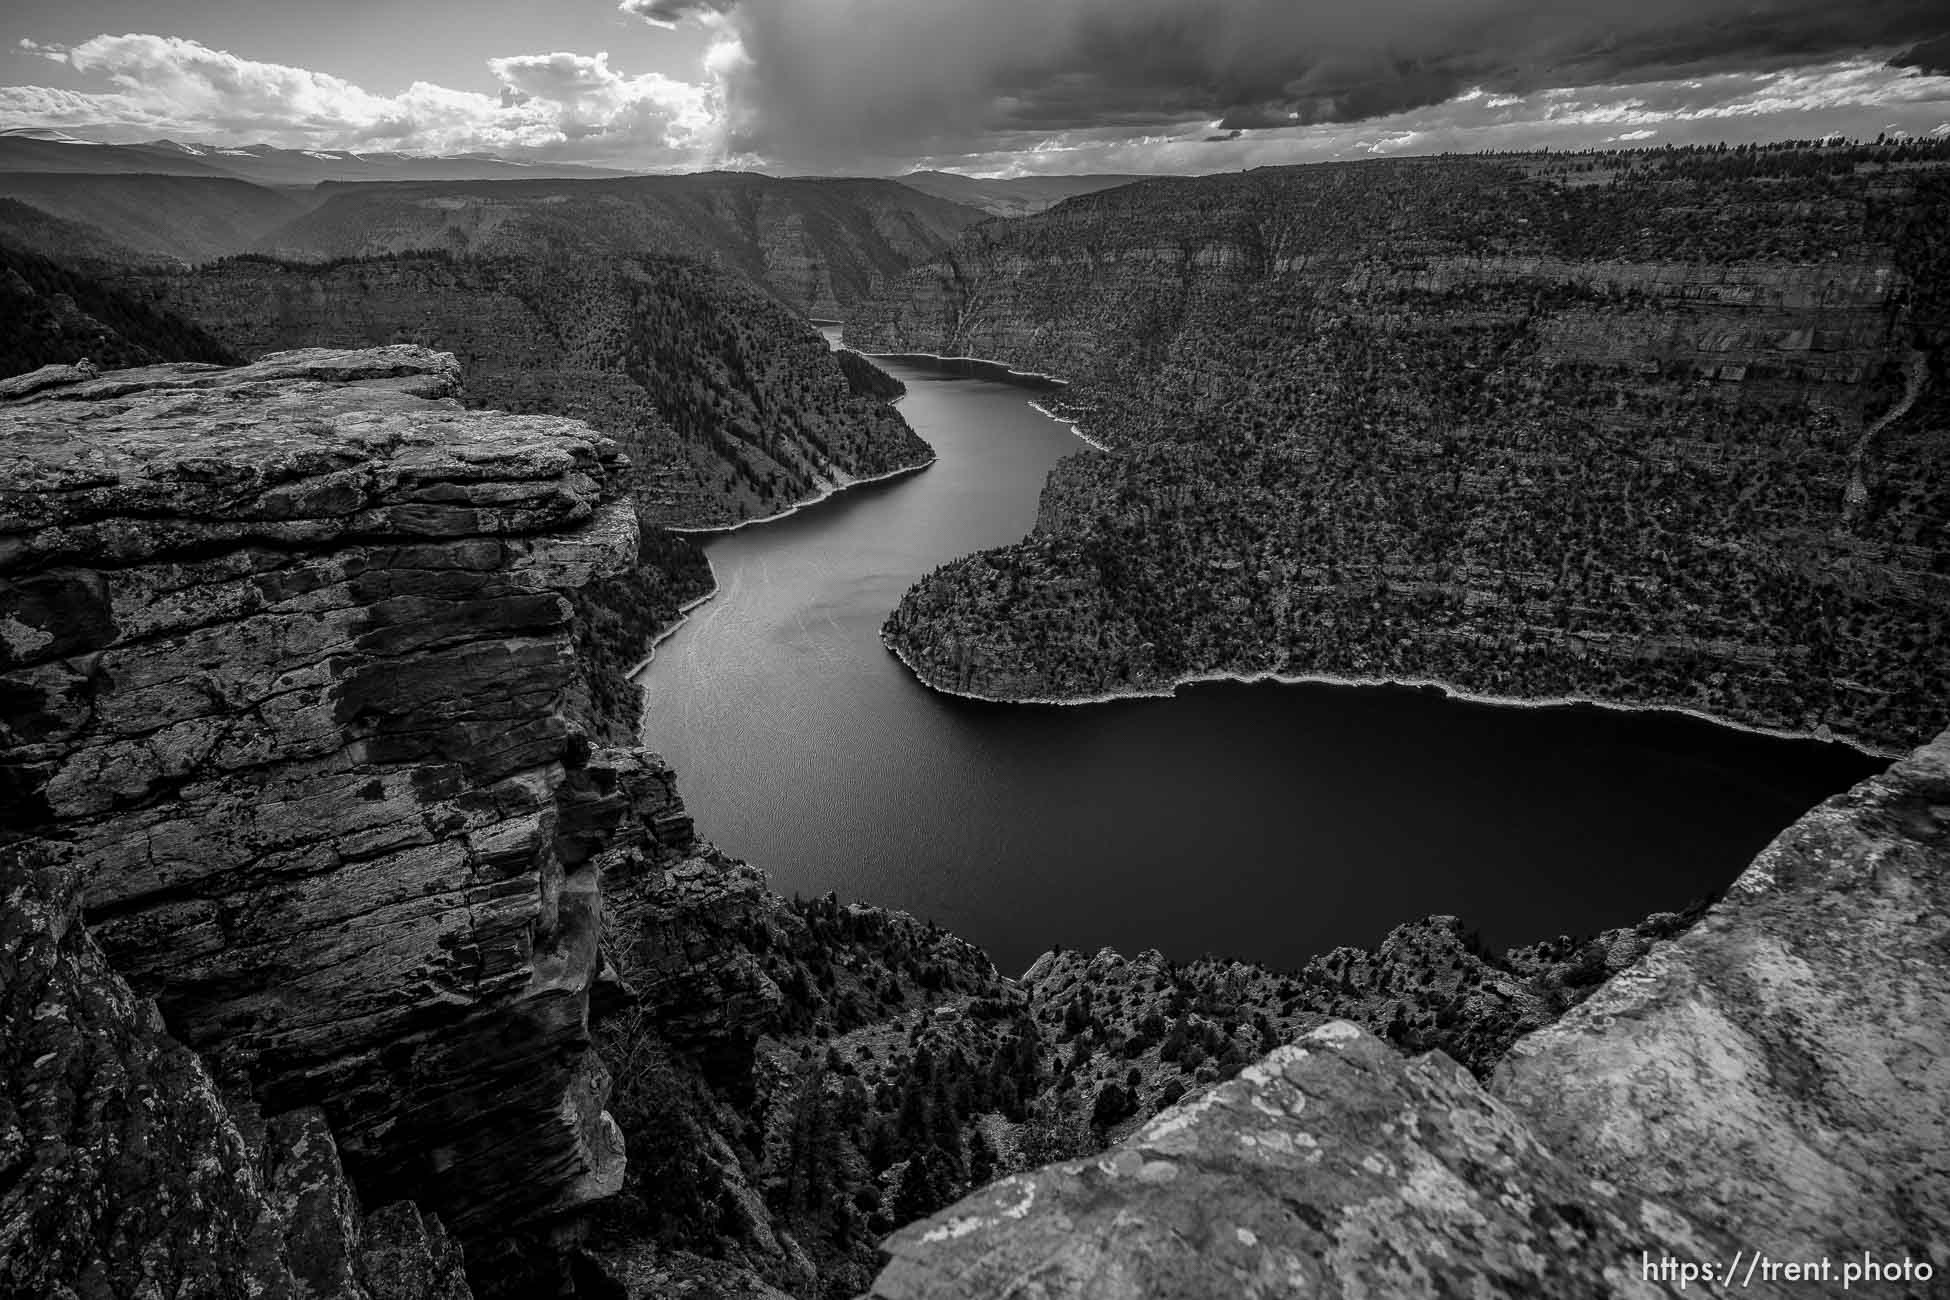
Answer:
(986, 87)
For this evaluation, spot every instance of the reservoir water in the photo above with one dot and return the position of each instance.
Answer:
(1263, 822)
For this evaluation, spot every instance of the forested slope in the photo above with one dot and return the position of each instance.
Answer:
(1664, 428)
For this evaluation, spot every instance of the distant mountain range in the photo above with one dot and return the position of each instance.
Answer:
(38, 150)
(817, 245)
(55, 151)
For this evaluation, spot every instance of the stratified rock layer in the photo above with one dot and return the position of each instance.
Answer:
(1773, 1080)
(289, 680)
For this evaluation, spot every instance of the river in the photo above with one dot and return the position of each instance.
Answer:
(1265, 822)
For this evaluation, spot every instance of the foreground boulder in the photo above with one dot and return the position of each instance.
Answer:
(1774, 1080)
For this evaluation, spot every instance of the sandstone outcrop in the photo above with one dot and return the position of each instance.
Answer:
(291, 692)
(1773, 1080)
(1647, 429)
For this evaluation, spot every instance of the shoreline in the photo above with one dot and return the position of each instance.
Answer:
(830, 490)
(1448, 689)
(683, 616)
(1076, 427)
(684, 611)
(1009, 371)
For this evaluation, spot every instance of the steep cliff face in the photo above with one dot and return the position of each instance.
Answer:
(291, 690)
(1669, 432)
(1773, 1081)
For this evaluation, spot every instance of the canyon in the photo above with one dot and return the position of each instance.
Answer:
(1659, 429)
(358, 938)
(356, 946)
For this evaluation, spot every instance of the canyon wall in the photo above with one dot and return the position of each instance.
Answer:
(1653, 429)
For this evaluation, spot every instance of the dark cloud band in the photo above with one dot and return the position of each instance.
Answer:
(816, 80)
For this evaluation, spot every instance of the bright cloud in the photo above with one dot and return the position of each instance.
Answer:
(553, 103)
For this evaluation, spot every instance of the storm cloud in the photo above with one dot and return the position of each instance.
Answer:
(818, 81)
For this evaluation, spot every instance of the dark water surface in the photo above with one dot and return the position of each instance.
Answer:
(1263, 822)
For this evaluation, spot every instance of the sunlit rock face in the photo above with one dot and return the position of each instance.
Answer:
(1774, 1079)
(290, 688)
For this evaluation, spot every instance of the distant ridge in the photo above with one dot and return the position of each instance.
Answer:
(818, 245)
(56, 151)
(173, 216)
(1018, 197)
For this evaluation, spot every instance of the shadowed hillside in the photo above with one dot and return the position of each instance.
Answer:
(51, 314)
(818, 244)
(178, 218)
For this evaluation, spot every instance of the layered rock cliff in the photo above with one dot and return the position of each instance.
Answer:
(1770, 1084)
(291, 692)
(1654, 429)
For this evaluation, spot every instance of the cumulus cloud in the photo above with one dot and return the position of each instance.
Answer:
(819, 81)
(551, 103)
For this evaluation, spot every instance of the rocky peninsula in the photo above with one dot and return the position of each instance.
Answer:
(1648, 429)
